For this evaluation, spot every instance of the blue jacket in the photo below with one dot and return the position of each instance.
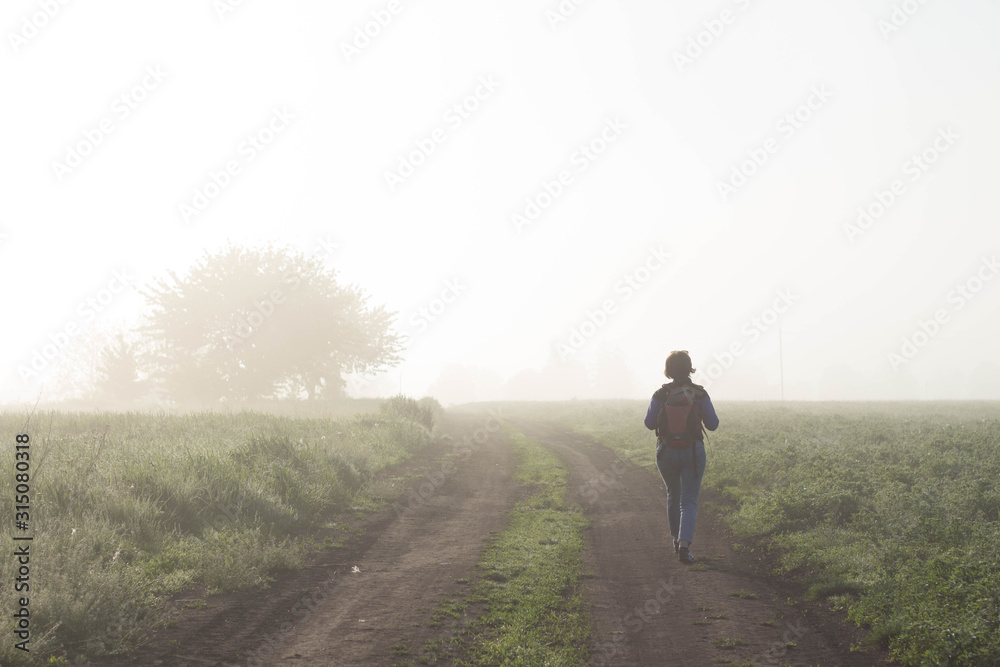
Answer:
(708, 416)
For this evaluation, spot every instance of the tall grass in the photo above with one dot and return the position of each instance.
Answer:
(129, 507)
(892, 511)
(426, 411)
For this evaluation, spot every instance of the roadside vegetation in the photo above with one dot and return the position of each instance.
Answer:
(128, 508)
(889, 511)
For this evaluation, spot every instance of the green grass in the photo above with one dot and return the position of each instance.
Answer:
(891, 509)
(830, 587)
(729, 643)
(743, 595)
(127, 508)
(533, 612)
(448, 610)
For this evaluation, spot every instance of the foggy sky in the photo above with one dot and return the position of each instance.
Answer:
(551, 195)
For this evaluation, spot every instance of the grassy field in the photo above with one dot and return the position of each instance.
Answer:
(889, 511)
(127, 508)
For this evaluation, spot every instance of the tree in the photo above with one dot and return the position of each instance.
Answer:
(75, 375)
(265, 322)
(118, 371)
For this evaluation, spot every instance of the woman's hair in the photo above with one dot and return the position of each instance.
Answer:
(679, 365)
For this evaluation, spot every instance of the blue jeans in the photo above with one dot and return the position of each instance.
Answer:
(677, 468)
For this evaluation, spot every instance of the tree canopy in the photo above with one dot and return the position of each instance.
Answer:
(247, 323)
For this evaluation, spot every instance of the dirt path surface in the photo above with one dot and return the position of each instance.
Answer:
(406, 556)
(414, 562)
(649, 609)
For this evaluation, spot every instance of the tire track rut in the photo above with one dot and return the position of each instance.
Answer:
(648, 608)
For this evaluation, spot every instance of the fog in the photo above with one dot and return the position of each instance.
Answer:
(547, 197)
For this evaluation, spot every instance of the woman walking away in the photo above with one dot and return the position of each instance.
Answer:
(677, 413)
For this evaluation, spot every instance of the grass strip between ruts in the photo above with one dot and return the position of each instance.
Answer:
(533, 611)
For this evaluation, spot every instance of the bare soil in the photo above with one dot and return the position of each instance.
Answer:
(362, 603)
(650, 609)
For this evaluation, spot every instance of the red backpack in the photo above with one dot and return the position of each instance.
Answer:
(679, 420)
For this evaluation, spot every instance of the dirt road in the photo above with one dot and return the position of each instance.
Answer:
(359, 605)
(649, 609)
(420, 558)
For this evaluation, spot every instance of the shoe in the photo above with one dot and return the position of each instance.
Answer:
(685, 556)
(677, 546)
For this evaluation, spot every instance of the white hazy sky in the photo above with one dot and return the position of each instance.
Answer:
(892, 78)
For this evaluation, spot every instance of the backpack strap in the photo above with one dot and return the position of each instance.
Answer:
(699, 394)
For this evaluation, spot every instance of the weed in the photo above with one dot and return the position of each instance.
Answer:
(729, 643)
(743, 595)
